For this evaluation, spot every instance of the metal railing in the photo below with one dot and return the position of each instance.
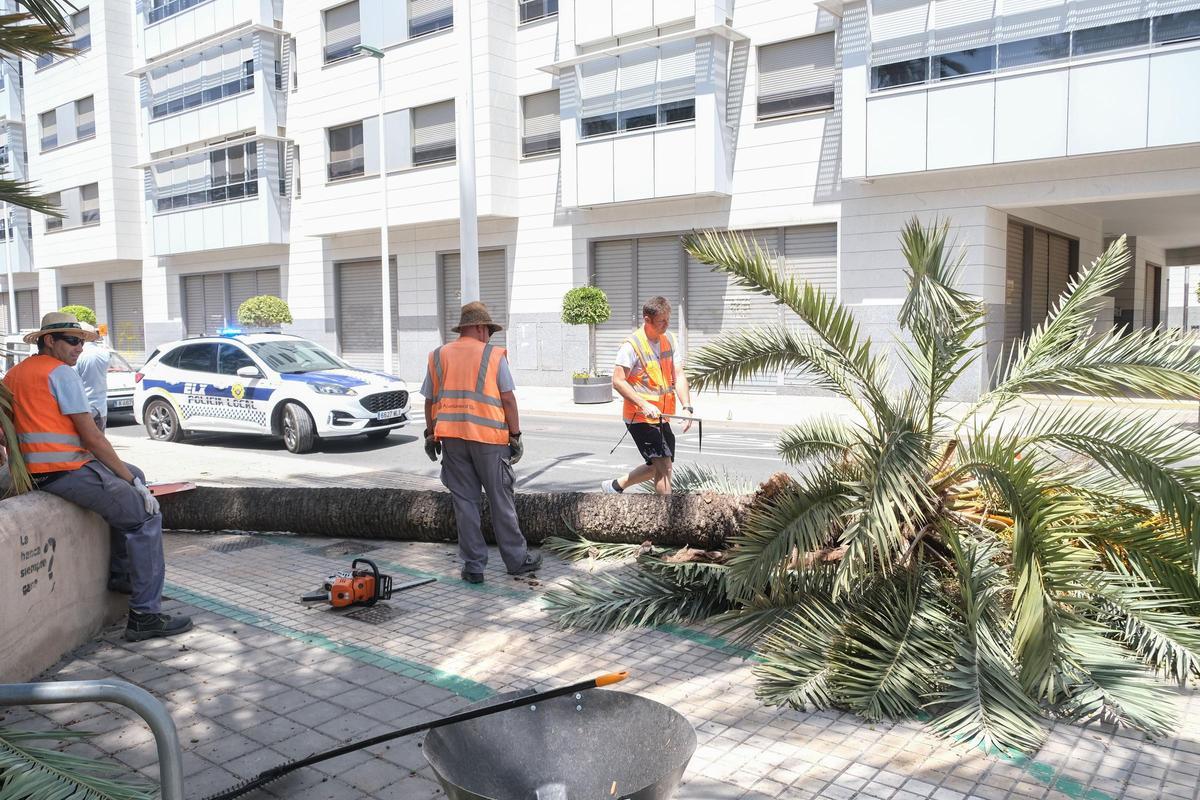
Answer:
(170, 760)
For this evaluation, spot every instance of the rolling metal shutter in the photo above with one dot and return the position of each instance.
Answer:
(658, 264)
(810, 255)
(82, 294)
(1014, 283)
(204, 304)
(251, 283)
(1059, 266)
(716, 305)
(27, 310)
(612, 271)
(1040, 284)
(493, 291)
(4, 312)
(360, 313)
(127, 333)
(796, 75)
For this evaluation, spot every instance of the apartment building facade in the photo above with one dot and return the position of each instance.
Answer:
(234, 150)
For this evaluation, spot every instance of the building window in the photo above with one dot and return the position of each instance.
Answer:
(68, 123)
(346, 152)
(49, 120)
(964, 62)
(1038, 50)
(54, 223)
(341, 32)
(796, 76)
(1179, 27)
(541, 124)
(4, 156)
(217, 176)
(433, 133)
(80, 25)
(429, 16)
(655, 86)
(900, 73)
(89, 204)
(1104, 38)
(157, 10)
(85, 118)
(531, 10)
(202, 79)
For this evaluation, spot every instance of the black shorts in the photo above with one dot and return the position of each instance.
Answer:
(653, 440)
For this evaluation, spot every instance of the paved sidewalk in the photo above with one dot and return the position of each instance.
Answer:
(263, 679)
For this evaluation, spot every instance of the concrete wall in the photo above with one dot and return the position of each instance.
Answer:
(53, 597)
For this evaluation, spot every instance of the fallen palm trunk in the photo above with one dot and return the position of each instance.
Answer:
(704, 521)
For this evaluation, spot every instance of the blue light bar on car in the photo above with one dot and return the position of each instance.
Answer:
(230, 332)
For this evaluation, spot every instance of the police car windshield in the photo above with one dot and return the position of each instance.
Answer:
(293, 357)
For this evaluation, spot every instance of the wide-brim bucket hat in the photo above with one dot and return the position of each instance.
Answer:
(475, 313)
(62, 322)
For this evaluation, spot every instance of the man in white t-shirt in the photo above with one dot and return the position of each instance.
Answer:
(649, 379)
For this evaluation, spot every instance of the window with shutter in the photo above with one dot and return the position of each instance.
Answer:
(598, 95)
(27, 310)
(346, 152)
(341, 31)
(85, 118)
(677, 83)
(796, 76)
(541, 124)
(429, 16)
(433, 133)
(81, 27)
(54, 223)
(532, 10)
(636, 89)
(641, 89)
(49, 121)
(89, 204)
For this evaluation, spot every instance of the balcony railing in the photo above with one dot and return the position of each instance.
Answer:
(346, 168)
(237, 189)
(237, 80)
(433, 153)
(162, 10)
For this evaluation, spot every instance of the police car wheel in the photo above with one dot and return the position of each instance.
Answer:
(162, 424)
(299, 434)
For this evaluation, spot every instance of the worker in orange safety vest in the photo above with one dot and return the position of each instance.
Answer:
(649, 379)
(472, 422)
(69, 456)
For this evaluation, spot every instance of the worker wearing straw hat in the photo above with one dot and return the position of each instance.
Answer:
(472, 421)
(69, 456)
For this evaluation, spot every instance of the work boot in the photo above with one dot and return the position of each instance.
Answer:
(151, 626)
(120, 584)
(532, 562)
(471, 577)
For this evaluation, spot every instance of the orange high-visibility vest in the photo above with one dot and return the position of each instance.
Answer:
(47, 438)
(652, 377)
(466, 392)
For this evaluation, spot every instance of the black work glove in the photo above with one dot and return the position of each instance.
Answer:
(516, 448)
(433, 448)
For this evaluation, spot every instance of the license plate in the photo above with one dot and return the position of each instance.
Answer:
(391, 413)
(126, 402)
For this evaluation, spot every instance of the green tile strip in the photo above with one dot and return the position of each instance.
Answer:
(1043, 773)
(463, 687)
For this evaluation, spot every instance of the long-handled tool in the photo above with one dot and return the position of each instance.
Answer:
(269, 775)
(699, 431)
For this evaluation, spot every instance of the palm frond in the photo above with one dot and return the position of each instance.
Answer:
(629, 598)
(697, 478)
(741, 354)
(22, 481)
(24, 36)
(893, 648)
(980, 700)
(1149, 622)
(575, 547)
(780, 533)
(1112, 689)
(819, 437)
(831, 323)
(51, 13)
(22, 193)
(795, 656)
(29, 772)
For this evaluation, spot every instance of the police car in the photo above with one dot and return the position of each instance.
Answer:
(266, 383)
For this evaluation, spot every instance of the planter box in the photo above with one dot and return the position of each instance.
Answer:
(592, 390)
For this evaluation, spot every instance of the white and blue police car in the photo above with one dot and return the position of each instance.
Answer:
(271, 384)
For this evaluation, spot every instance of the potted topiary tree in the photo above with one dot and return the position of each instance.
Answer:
(263, 311)
(82, 313)
(588, 305)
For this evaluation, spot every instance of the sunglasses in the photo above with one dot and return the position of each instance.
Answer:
(74, 341)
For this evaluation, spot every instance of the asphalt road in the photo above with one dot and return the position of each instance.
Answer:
(561, 453)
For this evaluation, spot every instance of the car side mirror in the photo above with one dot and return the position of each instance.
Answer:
(249, 372)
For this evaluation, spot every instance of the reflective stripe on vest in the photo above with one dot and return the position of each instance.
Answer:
(466, 392)
(653, 377)
(47, 438)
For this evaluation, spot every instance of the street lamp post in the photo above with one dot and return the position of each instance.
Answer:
(468, 220)
(8, 258)
(377, 54)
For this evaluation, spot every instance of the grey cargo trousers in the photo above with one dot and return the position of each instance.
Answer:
(136, 536)
(467, 468)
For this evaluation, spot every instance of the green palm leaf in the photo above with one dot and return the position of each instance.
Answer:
(820, 437)
(28, 772)
(1110, 688)
(627, 598)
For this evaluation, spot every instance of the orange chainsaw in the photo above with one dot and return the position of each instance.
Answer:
(359, 587)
